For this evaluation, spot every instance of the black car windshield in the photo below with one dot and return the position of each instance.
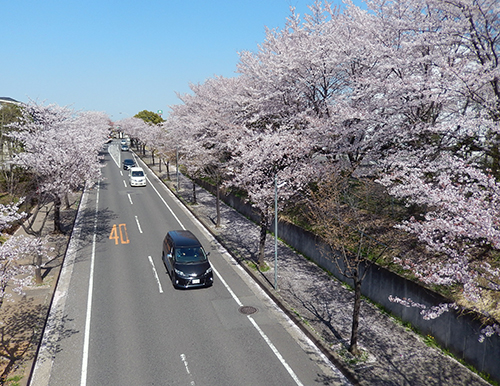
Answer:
(137, 173)
(190, 255)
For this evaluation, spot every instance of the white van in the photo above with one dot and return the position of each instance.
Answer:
(136, 176)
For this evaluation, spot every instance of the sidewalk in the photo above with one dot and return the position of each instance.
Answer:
(23, 319)
(322, 306)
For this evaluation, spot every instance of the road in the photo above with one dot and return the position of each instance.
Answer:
(117, 320)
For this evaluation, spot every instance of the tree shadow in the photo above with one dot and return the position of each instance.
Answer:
(20, 333)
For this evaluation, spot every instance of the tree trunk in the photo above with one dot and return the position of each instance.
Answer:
(168, 170)
(38, 269)
(217, 203)
(262, 243)
(353, 347)
(194, 192)
(28, 224)
(57, 215)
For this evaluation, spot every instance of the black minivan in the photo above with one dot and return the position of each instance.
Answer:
(186, 260)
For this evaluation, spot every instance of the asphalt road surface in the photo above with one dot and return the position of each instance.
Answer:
(117, 320)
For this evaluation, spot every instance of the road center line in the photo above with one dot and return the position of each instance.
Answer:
(130, 199)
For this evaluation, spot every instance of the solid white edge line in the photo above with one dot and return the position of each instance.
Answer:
(86, 336)
(261, 332)
(156, 274)
(164, 202)
(45, 357)
(275, 351)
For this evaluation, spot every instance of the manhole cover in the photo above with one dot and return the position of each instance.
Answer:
(248, 310)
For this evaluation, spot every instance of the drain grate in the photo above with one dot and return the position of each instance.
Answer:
(248, 310)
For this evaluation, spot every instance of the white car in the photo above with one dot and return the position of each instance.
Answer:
(136, 176)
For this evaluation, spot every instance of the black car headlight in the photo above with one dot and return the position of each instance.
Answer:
(180, 273)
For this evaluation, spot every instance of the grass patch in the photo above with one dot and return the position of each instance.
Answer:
(14, 381)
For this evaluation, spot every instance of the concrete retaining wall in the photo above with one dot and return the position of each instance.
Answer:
(455, 332)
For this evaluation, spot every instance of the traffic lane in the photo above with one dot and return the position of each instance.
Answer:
(305, 360)
(128, 346)
(142, 338)
(307, 366)
(160, 261)
(66, 342)
(127, 326)
(124, 312)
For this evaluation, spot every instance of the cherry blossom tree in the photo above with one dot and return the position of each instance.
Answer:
(205, 129)
(338, 217)
(134, 127)
(265, 156)
(60, 149)
(413, 88)
(445, 157)
(14, 249)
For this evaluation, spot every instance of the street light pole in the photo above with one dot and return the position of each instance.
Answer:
(276, 186)
(276, 231)
(177, 166)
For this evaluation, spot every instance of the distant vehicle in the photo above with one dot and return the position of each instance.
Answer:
(186, 260)
(128, 163)
(136, 176)
(125, 148)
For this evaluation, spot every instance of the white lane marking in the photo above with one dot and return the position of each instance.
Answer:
(261, 332)
(184, 360)
(53, 326)
(113, 147)
(275, 351)
(237, 300)
(125, 183)
(86, 339)
(156, 274)
(170, 209)
(130, 199)
(138, 224)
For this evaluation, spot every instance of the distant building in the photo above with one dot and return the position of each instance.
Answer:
(9, 100)
(5, 144)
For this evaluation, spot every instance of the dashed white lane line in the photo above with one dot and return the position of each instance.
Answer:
(138, 224)
(184, 360)
(156, 274)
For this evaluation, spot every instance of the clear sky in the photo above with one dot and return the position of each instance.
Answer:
(123, 56)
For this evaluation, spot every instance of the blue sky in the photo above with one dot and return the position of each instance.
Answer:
(121, 56)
